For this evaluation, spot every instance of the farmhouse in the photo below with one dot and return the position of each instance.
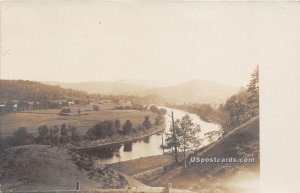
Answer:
(70, 103)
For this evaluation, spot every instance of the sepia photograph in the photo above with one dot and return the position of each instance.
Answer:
(136, 96)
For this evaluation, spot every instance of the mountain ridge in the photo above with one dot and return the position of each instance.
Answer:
(192, 91)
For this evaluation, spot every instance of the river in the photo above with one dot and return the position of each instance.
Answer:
(150, 146)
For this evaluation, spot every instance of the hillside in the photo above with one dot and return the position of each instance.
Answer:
(196, 91)
(242, 142)
(41, 167)
(191, 91)
(105, 87)
(31, 90)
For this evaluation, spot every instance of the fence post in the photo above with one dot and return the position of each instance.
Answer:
(169, 187)
(77, 185)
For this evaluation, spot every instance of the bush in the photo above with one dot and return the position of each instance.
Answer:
(96, 108)
(19, 137)
(65, 111)
(101, 130)
(127, 127)
(147, 123)
(43, 137)
(22, 137)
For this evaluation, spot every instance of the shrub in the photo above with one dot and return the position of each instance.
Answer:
(22, 137)
(96, 108)
(147, 123)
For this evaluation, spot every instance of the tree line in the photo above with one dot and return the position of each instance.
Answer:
(107, 128)
(60, 135)
(242, 106)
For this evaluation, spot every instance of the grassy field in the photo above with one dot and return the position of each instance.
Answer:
(88, 118)
(142, 164)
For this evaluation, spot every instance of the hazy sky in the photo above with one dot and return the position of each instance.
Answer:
(171, 41)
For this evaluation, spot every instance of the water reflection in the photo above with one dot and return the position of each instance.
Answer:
(104, 153)
(146, 139)
(148, 146)
(127, 147)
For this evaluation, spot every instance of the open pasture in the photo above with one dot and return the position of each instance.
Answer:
(87, 118)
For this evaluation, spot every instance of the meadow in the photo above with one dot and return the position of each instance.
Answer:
(88, 118)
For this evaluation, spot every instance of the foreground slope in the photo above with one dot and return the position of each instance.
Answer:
(242, 142)
(41, 167)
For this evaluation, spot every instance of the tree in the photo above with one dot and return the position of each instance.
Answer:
(147, 123)
(154, 109)
(236, 108)
(75, 135)
(162, 112)
(187, 135)
(108, 128)
(43, 136)
(103, 129)
(253, 90)
(160, 118)
(127, 127)
(63, 133)
(172, 141)
(118, 126)
(65, 111)
(244, 105)
(183, 135)
(22, 137)
(54, 135)
(96, 108)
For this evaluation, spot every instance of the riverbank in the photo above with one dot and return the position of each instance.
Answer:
(212, 116)
(241, 142)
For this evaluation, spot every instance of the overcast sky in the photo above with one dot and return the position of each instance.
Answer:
(172, 42)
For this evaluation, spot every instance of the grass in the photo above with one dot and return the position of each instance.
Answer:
(50, 117)
(142, 164)
(41, 167)
(241, 142)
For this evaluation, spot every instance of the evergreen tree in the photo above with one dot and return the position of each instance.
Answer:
(182, 135)
(243, 106)
(187, 135)
(253, 89)
(147, 123)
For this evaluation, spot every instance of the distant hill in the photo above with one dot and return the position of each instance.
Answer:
(31, 90)
(105, 87)
(197, 91)
(192, 91)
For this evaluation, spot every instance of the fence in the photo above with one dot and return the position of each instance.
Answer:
(168, 189)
